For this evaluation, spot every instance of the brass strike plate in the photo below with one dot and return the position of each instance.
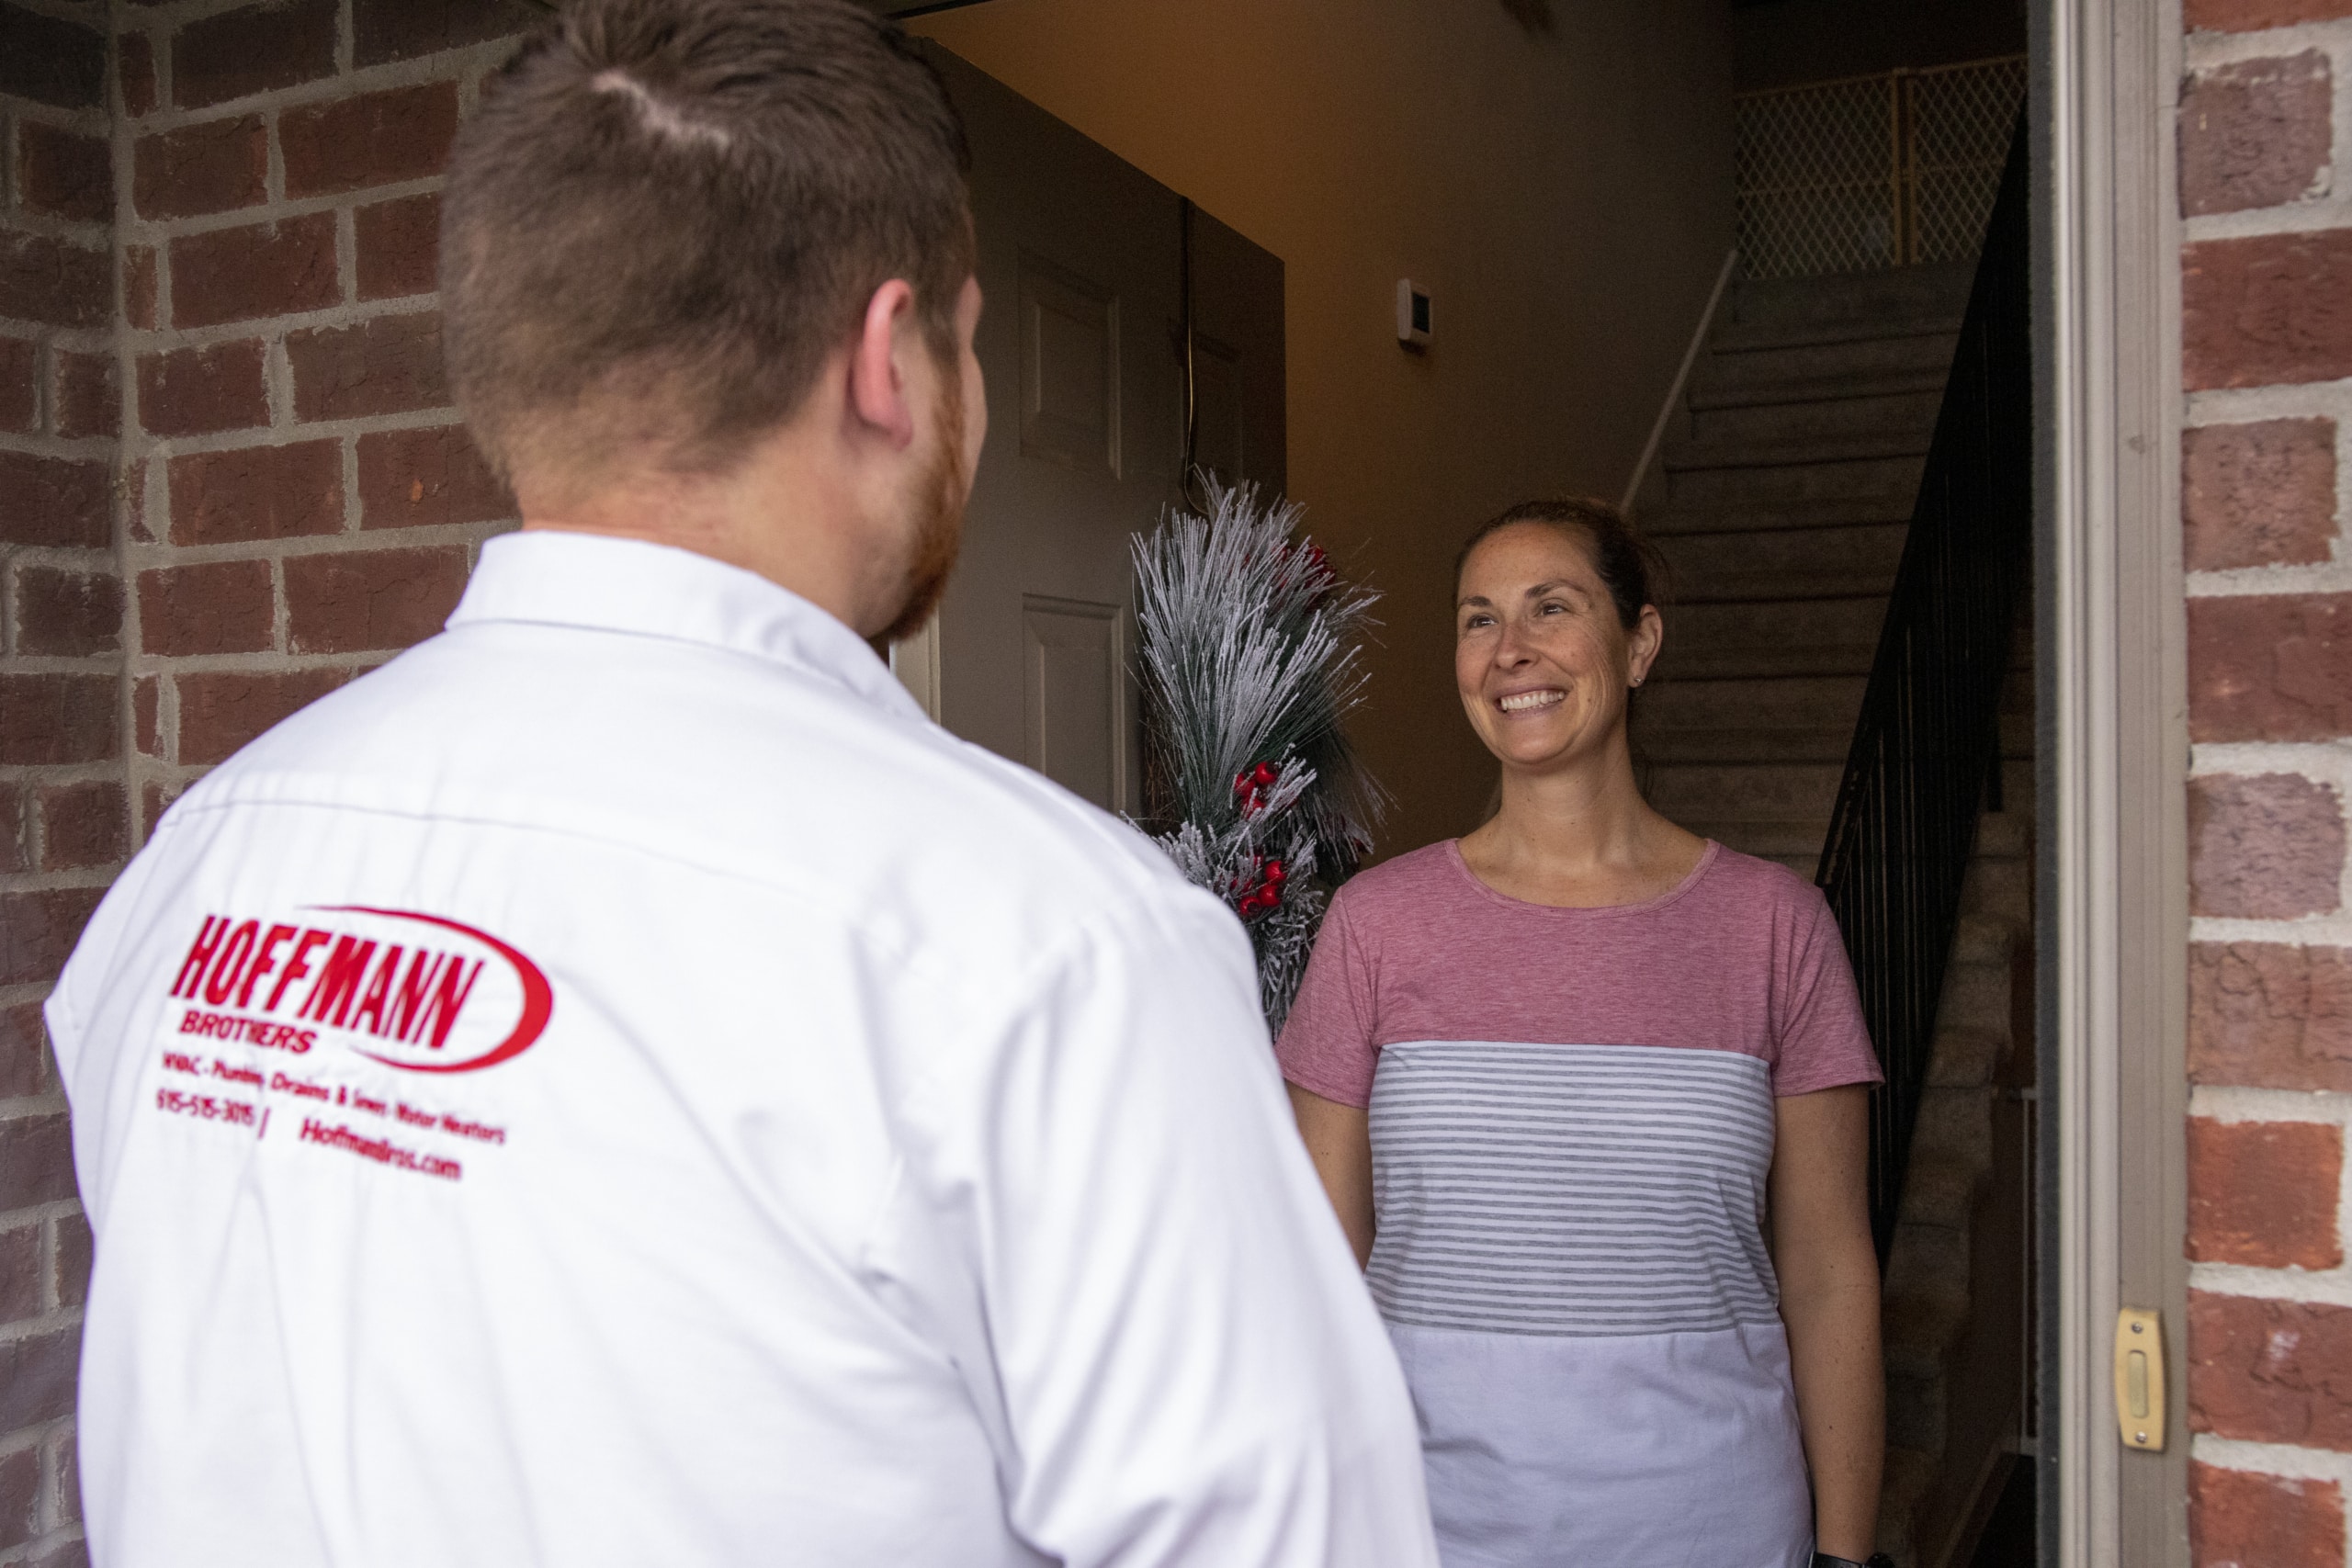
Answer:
(2139, 1380)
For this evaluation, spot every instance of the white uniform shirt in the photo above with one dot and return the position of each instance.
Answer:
(617, 1085)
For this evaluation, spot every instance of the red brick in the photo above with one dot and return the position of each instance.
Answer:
(154, 800)
(194, 391)
(2263, 1193)
(224, 606)
(38, 930)
(51, 280)
(146, 709)
(15, 830)
(2260, 494)
(72, 1282)
(24, 1051)
(20, 1492)
(402, 29)
(2254, 133)
(2269, 1015)
(63, 173)
(213, 166)
(57, 502)
(19, 383)
(23, 1293)
(135, 64)
(2270, 667)
(2276, 308)
(2264, 846)
(220, 711)
(398, 245)
(37, 1152)
(65, 613)
(268, 269)
(134, 501)
(85, 826)
(2270, 1372)
(88, 402)
(2251, 15)
(51, 720)
(252, 49)
(423, 478)
(400, 133)
(51, 62)
(2240, 1520)
(361, 602)
(138, 292)
(383, 365)
(256, 492)
(37, 1377)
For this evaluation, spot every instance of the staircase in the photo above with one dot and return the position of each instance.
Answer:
(1780, 506)
(1954, 1295)
(1780, 502)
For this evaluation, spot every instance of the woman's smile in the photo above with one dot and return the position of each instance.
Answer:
(1526, 702)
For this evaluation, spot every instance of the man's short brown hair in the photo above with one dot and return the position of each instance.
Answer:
(667, 213)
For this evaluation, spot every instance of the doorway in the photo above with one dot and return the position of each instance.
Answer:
(1127, 337)
(2101, 1213)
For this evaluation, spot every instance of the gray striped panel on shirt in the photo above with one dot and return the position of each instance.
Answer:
(1571, 1190)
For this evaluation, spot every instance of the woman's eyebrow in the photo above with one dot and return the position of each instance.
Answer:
(1475, 599)
(1568, 582)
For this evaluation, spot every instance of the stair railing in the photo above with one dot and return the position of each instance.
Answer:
(1927, 741)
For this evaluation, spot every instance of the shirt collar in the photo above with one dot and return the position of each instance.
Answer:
(552, 578)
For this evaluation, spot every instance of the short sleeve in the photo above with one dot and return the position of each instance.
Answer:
(1327, 1044)
(1823, 1042)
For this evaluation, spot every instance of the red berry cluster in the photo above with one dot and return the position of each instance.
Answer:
(1253, 785)
(1266, 894)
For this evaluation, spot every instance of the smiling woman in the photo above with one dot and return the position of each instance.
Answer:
(1587, 1091)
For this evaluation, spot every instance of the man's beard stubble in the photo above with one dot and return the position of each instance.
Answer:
(940, 498)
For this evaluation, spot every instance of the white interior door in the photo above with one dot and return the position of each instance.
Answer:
(1081, 259)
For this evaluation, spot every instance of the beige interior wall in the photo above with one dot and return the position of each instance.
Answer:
(1563, 192)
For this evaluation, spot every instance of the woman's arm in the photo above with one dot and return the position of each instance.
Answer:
(1338, 1140)
(1828, 1268)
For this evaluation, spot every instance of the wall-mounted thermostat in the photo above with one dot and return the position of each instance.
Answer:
(1412, 314)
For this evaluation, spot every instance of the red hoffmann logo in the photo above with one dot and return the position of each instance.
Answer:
(404, 1000)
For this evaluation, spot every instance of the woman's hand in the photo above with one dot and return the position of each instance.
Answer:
(1821, 1247)
(1338, 1140)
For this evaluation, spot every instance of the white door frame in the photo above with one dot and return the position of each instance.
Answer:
(2110, 624)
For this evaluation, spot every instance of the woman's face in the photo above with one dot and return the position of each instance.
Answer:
(1540, 656)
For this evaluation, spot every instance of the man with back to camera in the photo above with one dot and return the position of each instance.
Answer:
(617, 1085)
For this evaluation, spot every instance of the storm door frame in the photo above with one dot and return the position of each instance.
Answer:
(2112, 917)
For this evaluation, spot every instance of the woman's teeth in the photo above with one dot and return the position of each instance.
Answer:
(1526, 700)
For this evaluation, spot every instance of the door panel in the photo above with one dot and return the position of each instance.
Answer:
(1075, 695)
(1070, 370)
(1082, 263)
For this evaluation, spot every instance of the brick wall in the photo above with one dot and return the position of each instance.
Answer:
(229, 480)
(64, 817)
(2266, 175)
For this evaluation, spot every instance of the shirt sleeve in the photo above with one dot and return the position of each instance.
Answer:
(1165, 1329)
(1327, 1045)
(1823, 1042)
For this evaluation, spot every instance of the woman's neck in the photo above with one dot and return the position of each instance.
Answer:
(1580, 837)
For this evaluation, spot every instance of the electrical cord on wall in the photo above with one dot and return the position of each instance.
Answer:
(1190, 485)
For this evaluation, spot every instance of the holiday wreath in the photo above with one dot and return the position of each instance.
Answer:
(1251, 657)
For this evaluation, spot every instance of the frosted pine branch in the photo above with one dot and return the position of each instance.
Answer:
(1250, 659)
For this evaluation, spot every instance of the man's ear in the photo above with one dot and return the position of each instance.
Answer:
(878, 393)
